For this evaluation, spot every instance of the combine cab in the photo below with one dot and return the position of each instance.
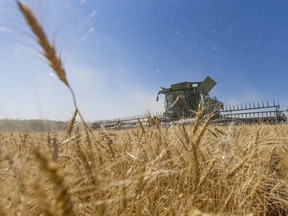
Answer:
(183, 99)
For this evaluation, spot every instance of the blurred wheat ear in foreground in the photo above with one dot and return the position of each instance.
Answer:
(48, 49)
(49, 52)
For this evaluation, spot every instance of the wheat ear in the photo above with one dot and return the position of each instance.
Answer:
(48, 49)
(72, 123)
(50, 53)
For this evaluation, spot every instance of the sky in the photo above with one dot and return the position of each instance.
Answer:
(118, 53)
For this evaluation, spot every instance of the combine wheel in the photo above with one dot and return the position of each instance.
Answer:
(119, 124)
(280, 117)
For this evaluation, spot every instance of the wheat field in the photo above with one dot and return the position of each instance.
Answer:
(199, 169)
(192, 170)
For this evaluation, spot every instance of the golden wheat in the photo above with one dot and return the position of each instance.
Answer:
(63, 200)
(188, 170)
(72, 122)
(241, 170)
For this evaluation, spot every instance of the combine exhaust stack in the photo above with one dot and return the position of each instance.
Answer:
(182, 101)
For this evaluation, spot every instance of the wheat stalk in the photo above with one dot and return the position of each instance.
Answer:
(141, 126)
(3, 210)
(64, 201)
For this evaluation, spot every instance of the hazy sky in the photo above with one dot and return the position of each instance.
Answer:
(117, 53)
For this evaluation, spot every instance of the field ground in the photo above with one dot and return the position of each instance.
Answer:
(193, 170)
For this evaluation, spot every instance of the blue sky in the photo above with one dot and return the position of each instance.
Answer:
(117, 53)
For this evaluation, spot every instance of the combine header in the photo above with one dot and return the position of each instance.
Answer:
(182, 100)
(261, 112)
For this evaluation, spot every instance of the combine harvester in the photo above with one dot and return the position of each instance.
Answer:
(182, 100)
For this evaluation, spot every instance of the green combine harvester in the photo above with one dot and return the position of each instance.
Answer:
(182, 100)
